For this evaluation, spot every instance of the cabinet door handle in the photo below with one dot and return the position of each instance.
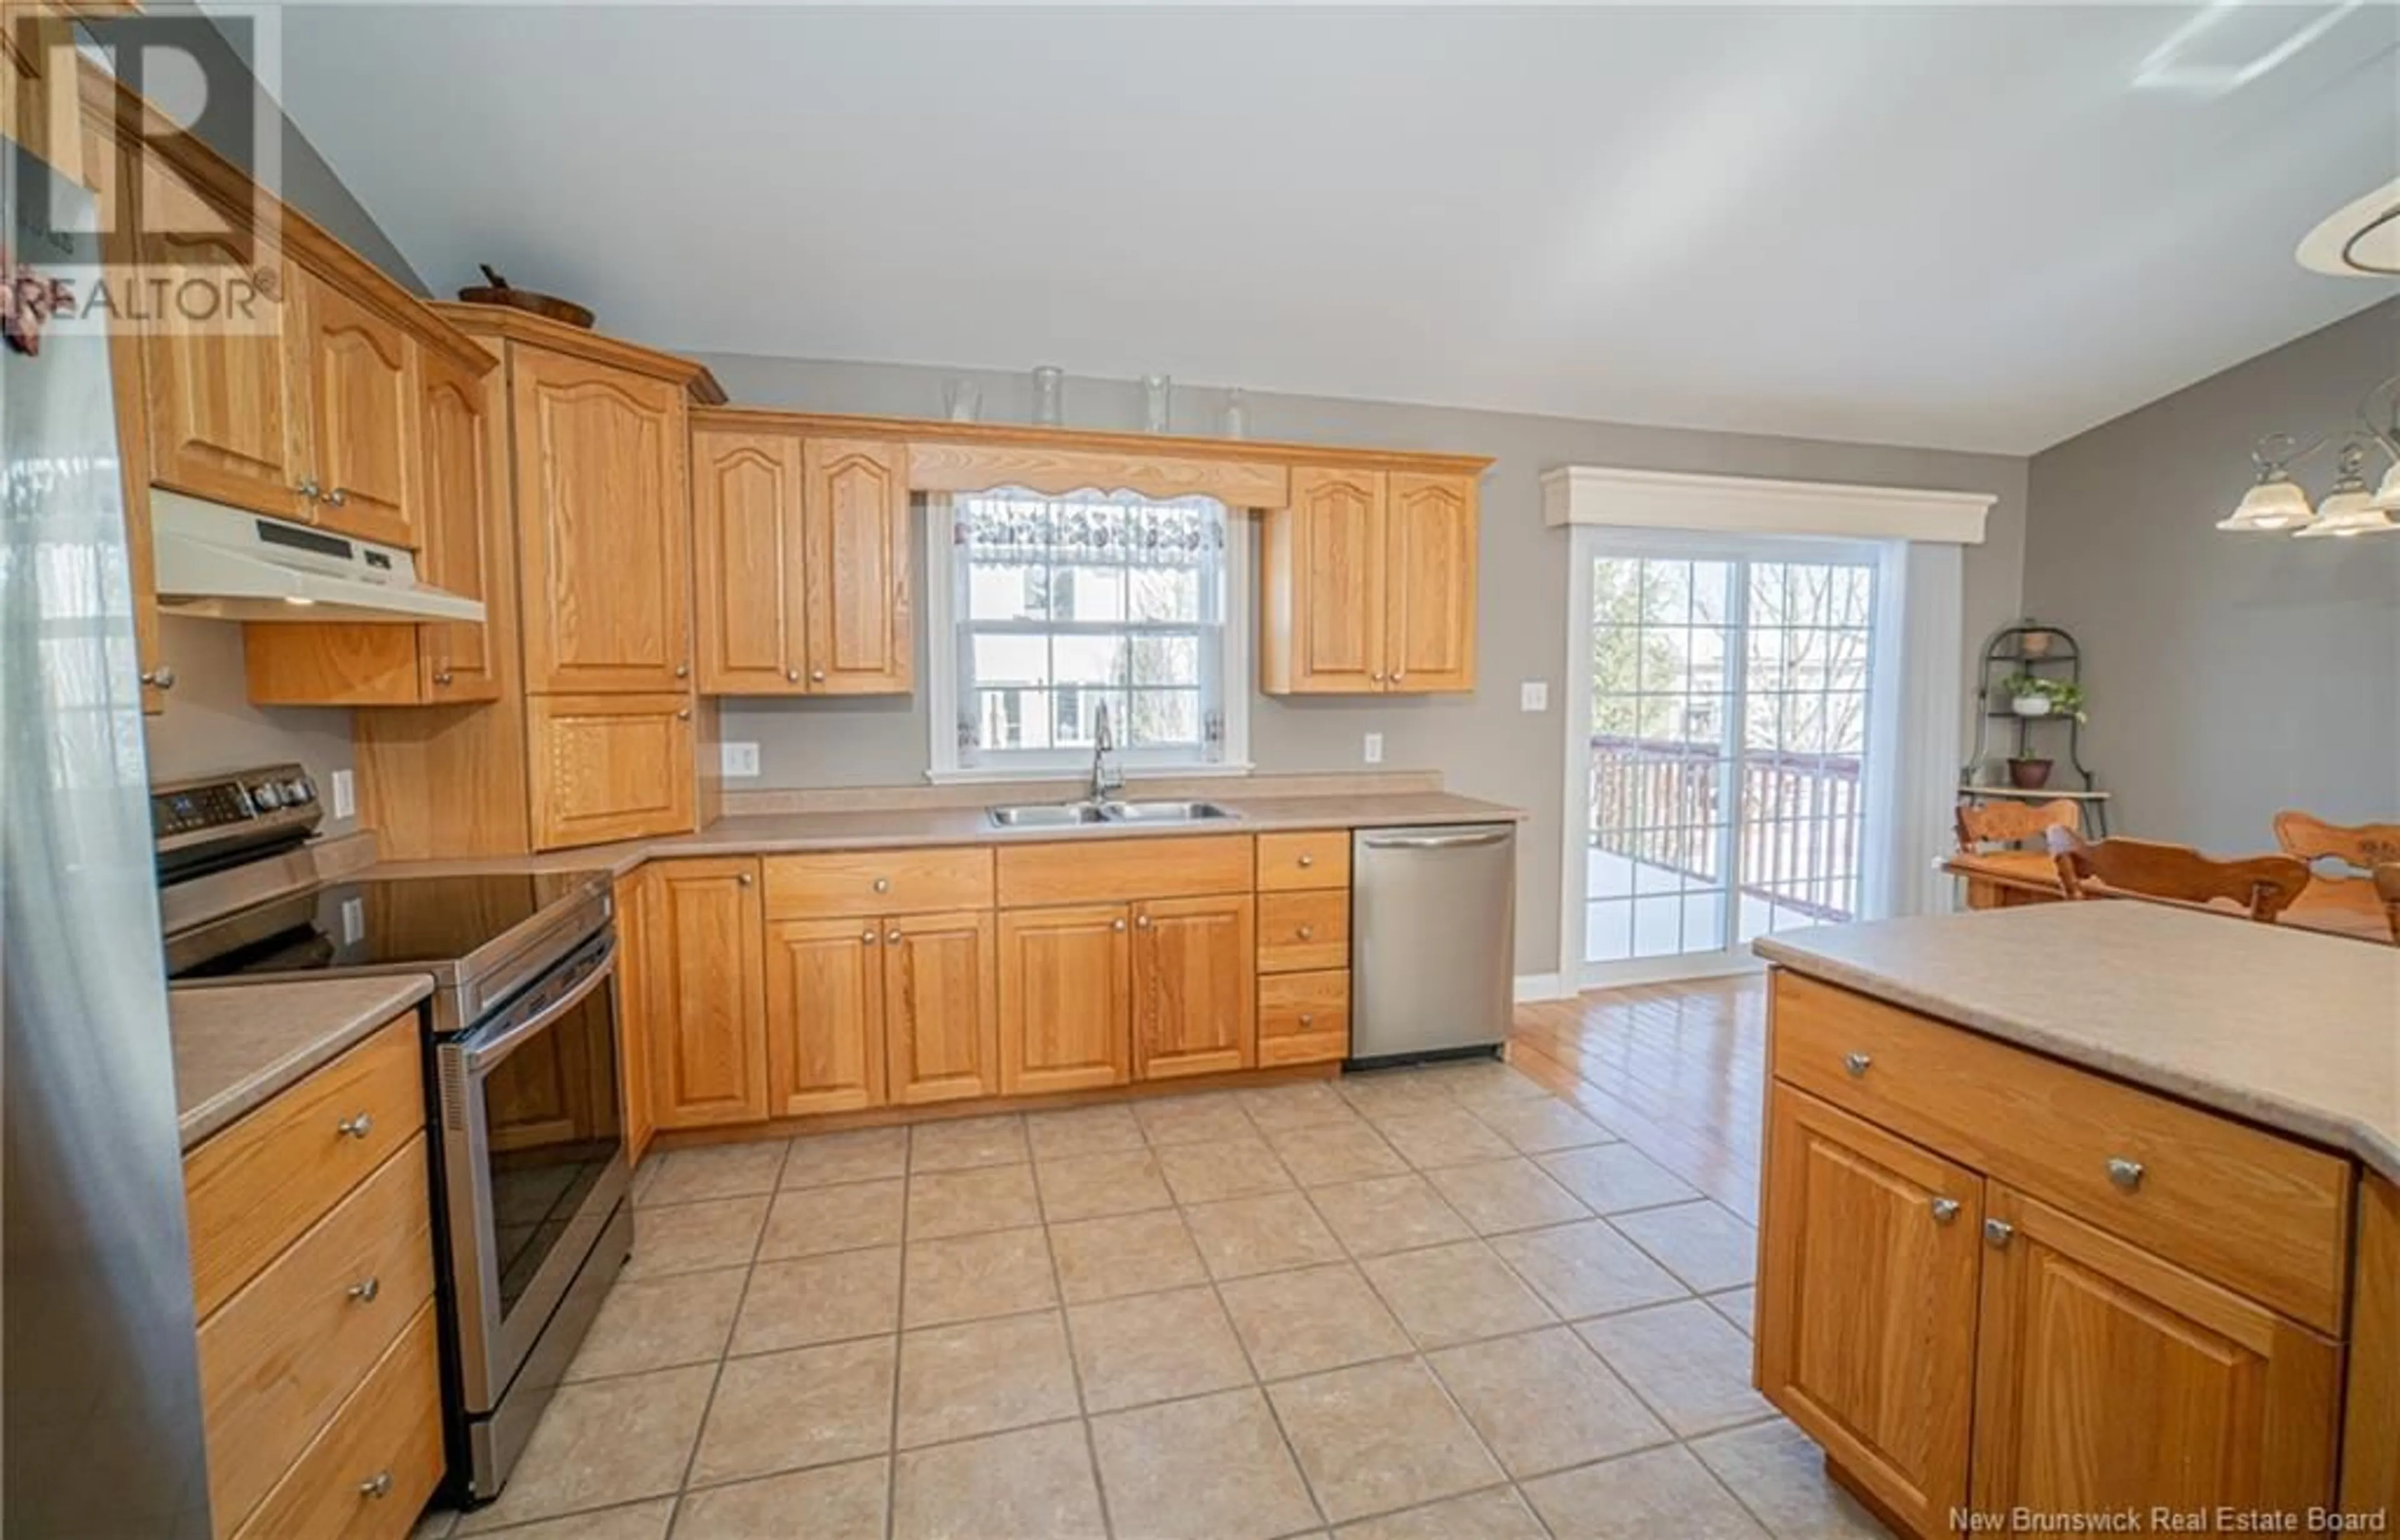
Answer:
(745, 880)
(1307, 861)
(1398, 675)
(1944, 1211)
(1141, 922)
(1116, 924)
(339, 497)
(1376, 677)
(1306, 933)
(441, 677)
(684, 715)
(1307, 1018)
(365, 1289)
(161, 678)
(817, 676)
(377, 1486)
(892, 936)
(355, 1127)
(683, 671)
(2126, 1174)
(881, 884)
(1998, 1232)
(792, 675)
(310, 490)
(1857, 1064)
(867, 939)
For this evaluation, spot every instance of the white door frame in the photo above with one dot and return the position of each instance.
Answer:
(1887, 692)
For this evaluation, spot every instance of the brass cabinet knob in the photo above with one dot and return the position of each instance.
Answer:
(745, 880)
(683, 670)
(1307, 861)
(883, 884)
(817, 676)
(792, 675)
(1307, 1018)
(684, 715)
(1307, 932)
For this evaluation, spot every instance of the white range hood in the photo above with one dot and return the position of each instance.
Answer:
(222, 563)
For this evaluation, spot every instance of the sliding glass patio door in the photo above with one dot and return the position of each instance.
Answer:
(1731, 692)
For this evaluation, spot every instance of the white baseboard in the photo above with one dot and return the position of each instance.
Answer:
(1531, 986)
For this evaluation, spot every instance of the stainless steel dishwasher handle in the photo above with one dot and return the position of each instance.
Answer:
(1435, 842)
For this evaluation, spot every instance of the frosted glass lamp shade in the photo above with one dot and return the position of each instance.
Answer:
(2274, 504)
(2349, 513)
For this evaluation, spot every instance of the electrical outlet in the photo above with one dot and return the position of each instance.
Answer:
(1533, 695)
(346, 794)
(354, 920)
(1375, 748)
(737, 759)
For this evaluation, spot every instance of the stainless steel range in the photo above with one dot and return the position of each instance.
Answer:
(521, 1057)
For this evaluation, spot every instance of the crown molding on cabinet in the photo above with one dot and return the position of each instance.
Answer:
(509, 325)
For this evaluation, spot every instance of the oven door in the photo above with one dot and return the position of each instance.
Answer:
(534, 1160)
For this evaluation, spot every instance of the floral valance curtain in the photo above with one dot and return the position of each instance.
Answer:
(1089, 528)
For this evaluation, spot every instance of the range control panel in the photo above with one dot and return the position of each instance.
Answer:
(244, 799)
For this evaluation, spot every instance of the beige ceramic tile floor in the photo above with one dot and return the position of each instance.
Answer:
(1432, 1303)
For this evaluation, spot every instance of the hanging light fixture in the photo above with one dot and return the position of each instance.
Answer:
(2276, 504)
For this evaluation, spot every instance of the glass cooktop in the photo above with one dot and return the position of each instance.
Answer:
(368, 924)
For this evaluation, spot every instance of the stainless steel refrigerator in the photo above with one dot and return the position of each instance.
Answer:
(99, 1404)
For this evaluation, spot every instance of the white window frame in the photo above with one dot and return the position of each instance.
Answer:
(944, 765)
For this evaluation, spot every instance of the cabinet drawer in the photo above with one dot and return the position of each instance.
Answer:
(292, 1346)
(253, 1187)
(1304, 931)
(2255, 1212)
(1304, 1018)
(369, 1474)
(1115, 871)
(1317, 858)
(877, 883)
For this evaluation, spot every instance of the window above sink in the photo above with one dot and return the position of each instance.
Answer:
(1041, 608)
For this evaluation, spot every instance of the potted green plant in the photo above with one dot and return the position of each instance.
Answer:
(2029, 695)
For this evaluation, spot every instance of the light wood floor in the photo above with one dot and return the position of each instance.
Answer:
(1677, 1070)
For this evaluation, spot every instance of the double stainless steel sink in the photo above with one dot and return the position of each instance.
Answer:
(1067, 815)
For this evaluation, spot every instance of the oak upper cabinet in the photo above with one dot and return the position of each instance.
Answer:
(227, 405)
(747, 544)
(1194, 987)
(359, 375)
(2107, 1378)
(1429, 568)
(611, 766)
(707, 1024)
(1065, 997)
(940, 1023)
(603, 526)
(855, 499)
(1369, 583)
(825, 1015)
(463, 536)
(1866, 1310)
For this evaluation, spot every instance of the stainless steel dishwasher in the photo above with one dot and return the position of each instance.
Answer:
(1433, 940)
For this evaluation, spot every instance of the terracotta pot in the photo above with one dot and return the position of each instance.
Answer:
(2028, 774)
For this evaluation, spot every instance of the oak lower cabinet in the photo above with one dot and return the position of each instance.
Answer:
(706, 977)
(1964, 1348)
(825, 1016)
(1194, 987)
(1866, 1308)
(940, 1013)
(2107, 1379)
(1065, 997)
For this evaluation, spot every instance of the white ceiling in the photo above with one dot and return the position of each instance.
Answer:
(1970, 227)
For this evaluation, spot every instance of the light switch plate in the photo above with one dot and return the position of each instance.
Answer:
(737, 759)
(346, 794)
(1375, 748)
(1533, 695)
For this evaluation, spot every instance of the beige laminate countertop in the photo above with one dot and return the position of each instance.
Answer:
(885, 828)
(2291, 1030)
(238, 1044)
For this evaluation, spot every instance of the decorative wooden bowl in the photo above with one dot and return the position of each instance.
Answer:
(499, 291)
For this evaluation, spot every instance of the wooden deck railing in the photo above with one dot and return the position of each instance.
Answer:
(1661, 801)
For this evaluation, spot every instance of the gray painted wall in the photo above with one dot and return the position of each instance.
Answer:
(2229, 675)
(1483, 743)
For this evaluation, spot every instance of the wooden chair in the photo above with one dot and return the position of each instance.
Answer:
(2363, 846)
(2387, 888)
(1982, 824)
(2264, 885)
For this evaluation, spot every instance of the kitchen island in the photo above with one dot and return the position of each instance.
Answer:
(2085, 1215)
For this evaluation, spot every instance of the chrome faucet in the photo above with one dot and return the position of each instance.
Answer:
(1106, 776)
